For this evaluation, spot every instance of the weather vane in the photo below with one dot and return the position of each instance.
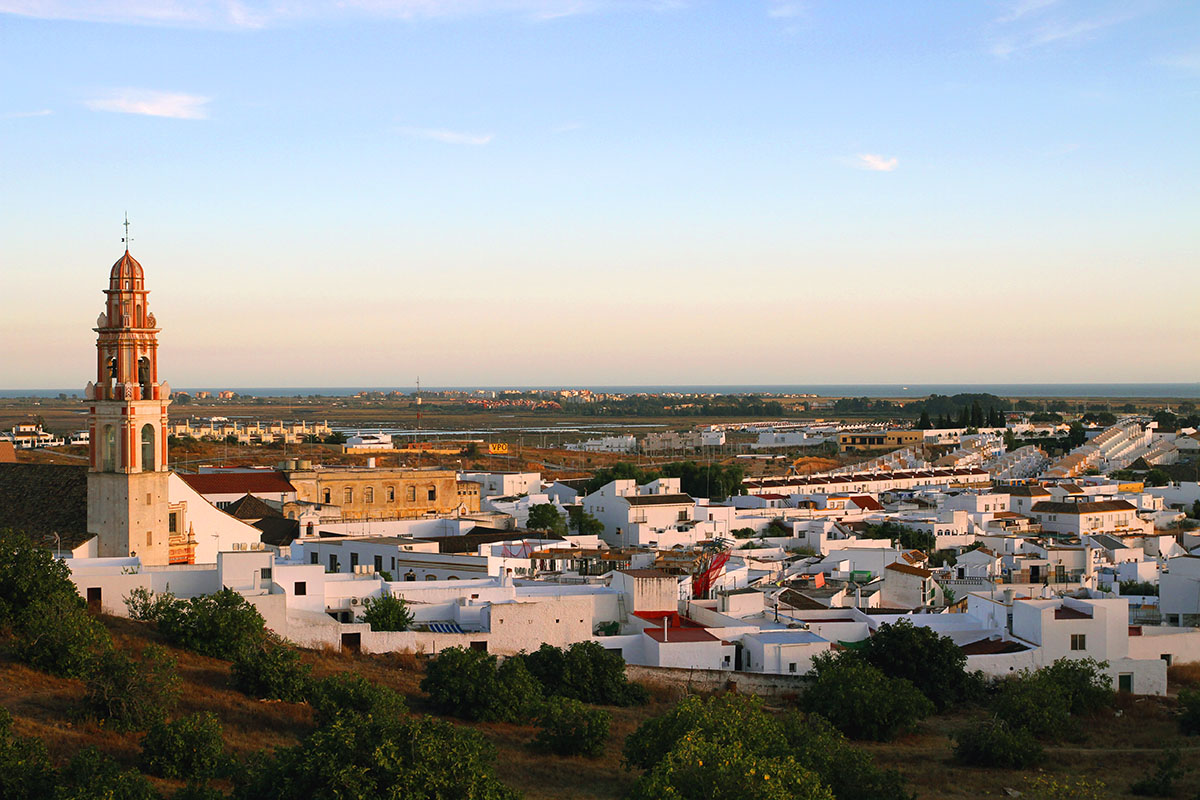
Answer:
(127, 240)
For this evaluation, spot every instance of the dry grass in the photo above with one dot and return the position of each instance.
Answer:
(1188, 674)
(1117, 747)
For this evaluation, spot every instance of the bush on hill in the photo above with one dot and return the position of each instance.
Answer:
(466, 683)
(191, 747)
(585, 671)
(995, 743)
(699, 768)
(1038, 706)
(91, 775)
(1084, 682)
(271, 670)
(348, 693)
(219, 625)
(723, 719)
(1189, 711)
(862, 701)
(848, 771)
(567, 727)
(131, 694)
(931, 662)
(25, 771)
(386, 613)
(56, 634)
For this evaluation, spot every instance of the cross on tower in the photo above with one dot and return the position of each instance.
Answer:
(127, 240)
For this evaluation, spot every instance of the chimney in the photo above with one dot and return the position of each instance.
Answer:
(666, 628)
(371, 462)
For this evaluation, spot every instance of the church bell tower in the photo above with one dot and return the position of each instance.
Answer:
(127, 421)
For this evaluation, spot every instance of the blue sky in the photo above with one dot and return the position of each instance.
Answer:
(630, 191)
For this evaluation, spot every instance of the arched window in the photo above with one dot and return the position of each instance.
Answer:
(348, 495)
(109, 449)
(410, 494)
(328, 496)
(147, 448)
(390, 494)
(431, 577)
(137, 315)
(369, 494)
(144, 377)
(431, 493)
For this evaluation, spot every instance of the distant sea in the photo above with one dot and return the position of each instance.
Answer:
(1178, 390)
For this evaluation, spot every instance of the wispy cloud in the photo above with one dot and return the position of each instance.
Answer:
(785, 9)
(1033, 24)
(447, 136)
(566, 127)
(45, 112)
(175, 105)
(249, 14)
(876, 162)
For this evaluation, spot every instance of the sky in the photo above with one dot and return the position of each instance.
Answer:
(591, 192)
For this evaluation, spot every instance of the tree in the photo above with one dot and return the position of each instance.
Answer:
(568, 727)
(191, 747)
(584, 671)
(995, 743)
(931, 662)
(56, 634)
(725, 719)
(354, 756)
(28, 573)
(1076, 435)
(849, 771)
(1195, 514)
(699, 768)
(1157, 477)
(924, 423)
(1042, 708)
(220, 625)
(545, 517)
(91, 775)
(386, 613)
(1160, 781)
(349, 693)
(132, 694)
(467, 683)
(862, 701)
(271, 670)
(336, 437)
(583, 523)
(1189, 711)
(1082, 680)
(25, 771)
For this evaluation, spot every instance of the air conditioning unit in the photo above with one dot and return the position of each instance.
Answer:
(353, 601)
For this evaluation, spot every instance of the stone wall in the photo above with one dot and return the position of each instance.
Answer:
(714, 680)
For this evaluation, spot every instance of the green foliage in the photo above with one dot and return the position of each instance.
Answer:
(1139, 587)
(995, 743)
(466, 683)
(386, 613)
(862, 701)
(849, 771)
(145, 605)
(1047, 787)
(1040, 707)
(131, 694)
(198, 791)
(582, 522)
(1189, 711)
(347, 692)
(25, 771)
(191, 747)
(1160, 781)
(271, 670)
(908, 538)
(742, 533)
(725, 719)
(584, 671)
(567, 727)
(220, 625)
(56, 634)
(1087, 688)
(545, 517)
(717, 481)
(92, 775)
(29, 574)
(1157, 477)
(699, 768)
(1076, 435)
(414, 758)
(931, 662)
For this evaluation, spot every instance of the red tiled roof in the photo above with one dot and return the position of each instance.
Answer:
(905, 568)
(991, 647)
(1065, 612)
(867, 503)
(676, 635)
(238, 483)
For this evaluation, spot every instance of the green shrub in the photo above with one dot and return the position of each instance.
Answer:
(220, 625)
(585, 671)
(848, 771)
(1084, 682)
(466, 683)
(722, 719)
(1189, 711)
(931, 662)
(191, 747)
(1025, 701)
(131, 694)
(568, 728)
(93, 776)
(25, 771)
(56, 634)
(1160, 782)
(271, 670)
(415, 758)
(198, 791)
(347, 692)
(698, 768)
(386, 613)
(995, 743)
(860, 700)
(145, 605)
(28, 574)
